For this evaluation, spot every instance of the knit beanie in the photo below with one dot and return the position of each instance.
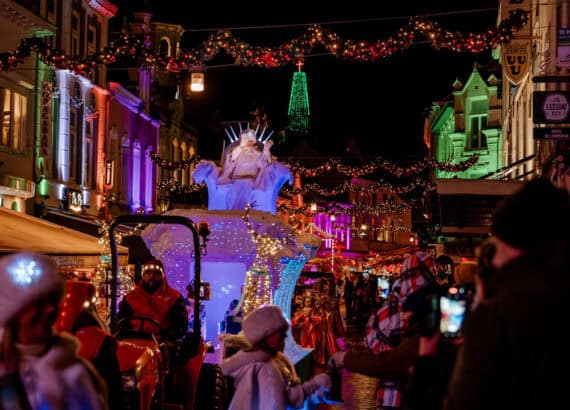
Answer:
(24, 278)
(262, 322)
(536, 213)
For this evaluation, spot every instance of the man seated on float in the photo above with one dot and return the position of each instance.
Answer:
(153, 307)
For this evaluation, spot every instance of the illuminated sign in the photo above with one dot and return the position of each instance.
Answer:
(75, 200)
(45, 117)
(551, 107)
(552, 133)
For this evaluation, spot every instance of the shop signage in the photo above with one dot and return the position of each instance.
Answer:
(563, 59)
(109, 173)
(551, 133)
(45, 118)
(551, 107)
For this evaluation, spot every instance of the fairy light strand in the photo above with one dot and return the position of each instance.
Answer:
(131, 48)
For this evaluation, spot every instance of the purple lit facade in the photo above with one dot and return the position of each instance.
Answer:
(133, 135)
(339, 228)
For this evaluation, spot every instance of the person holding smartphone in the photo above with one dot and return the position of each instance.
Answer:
(398, 327)
(511, 356)
(439, 343)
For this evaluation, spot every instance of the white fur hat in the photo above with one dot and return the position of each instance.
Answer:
(263, 321)
(25, 277)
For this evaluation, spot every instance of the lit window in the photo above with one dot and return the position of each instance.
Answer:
(13, 108)
(477, 140)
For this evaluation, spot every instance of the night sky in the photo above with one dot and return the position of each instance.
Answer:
(380, 107)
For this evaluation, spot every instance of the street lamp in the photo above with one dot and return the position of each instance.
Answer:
(197, 82)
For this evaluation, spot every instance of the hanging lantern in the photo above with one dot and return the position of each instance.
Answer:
(197, 82)
(313, 207)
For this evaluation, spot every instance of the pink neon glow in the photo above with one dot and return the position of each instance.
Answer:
(102, 109)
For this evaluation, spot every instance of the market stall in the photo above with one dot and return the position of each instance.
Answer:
(73, 251)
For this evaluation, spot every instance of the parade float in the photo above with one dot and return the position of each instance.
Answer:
(252, 255)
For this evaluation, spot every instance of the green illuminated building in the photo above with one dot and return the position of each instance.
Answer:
(299, 113)
(468, 124)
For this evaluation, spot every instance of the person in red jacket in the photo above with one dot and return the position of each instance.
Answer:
(78, 315)
(152, 298)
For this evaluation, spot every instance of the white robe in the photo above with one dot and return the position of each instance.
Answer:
(244, 169)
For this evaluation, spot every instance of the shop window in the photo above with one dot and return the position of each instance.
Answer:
(91, 160)
(13, 108)
(76, 144)
(164, 47)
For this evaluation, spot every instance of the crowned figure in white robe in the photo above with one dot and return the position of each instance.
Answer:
(244, 164)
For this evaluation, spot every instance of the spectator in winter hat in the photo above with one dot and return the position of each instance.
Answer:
(511, 335)
(40, 366)
(264, 377)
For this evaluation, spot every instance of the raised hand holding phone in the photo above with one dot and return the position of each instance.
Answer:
(452, 308)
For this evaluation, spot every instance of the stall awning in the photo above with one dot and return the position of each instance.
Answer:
(70, 249)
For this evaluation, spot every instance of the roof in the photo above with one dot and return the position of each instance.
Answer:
(466, 206)
(23, 232)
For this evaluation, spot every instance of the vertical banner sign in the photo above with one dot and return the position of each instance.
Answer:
(109, 173)
(516, 60)
(45, 118)
(563, 49)
(516, 55)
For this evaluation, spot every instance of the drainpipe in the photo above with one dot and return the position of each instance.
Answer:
(37, 143)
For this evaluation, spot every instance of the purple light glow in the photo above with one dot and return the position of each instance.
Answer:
(136, 181)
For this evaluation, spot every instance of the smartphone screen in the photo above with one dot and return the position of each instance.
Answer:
(452, 307)
(383, 287)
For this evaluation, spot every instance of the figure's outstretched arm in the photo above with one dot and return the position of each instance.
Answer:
(265, 158)
(227, 170)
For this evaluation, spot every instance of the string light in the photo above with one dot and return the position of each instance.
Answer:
(173, 185)
(171, 165)
(383, 165)
(127, 47)
(359, 209)
(348, 186)
(265, 244)
(102, 277)
(257, 289)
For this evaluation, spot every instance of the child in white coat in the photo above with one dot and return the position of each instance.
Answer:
(264, 377)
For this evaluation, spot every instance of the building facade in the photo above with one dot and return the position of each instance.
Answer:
(130, 177)
(20, 101)
(167, 94)
(468, 125)
(534, 61)
(72, 165)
